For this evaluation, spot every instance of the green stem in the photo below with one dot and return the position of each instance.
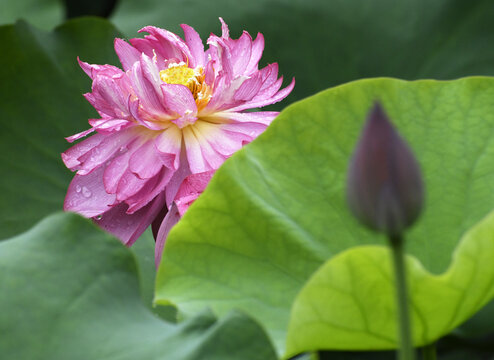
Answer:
(429, 352)
(406, 345)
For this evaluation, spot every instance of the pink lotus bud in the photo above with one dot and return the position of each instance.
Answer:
(384, 185)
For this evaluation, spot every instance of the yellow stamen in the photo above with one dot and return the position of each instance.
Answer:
(178, 74)
(192, 78)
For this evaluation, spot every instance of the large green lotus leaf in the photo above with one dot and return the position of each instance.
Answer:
(276, 210)
(70, 291)
(349, 302)
(41, 102)
(329, 42)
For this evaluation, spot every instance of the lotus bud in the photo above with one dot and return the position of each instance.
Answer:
(384, 184)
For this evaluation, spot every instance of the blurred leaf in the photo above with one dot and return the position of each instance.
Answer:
(70, 291)
(480, 325)
(276, 211)
(41, 102)
(329, 42)
(349, 302)
(44, 14)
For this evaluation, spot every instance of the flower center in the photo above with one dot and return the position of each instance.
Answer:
(179, 74)
(192, 78)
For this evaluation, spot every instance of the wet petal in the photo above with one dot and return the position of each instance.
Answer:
(87, 196)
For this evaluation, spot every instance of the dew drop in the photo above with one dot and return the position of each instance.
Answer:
(78, 188)
(86, 192)
(99, 217)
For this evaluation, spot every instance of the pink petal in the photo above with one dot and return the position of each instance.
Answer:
(127, 54)
(224, 93)
(219, 141)
(209, 73)
(128, 227)
(256, 53)
(193, 184)
(170, 45)
(189, 191)
(270, 73)
(249, 88)
(145, 162)
(93, 70)
(109, 98)
(194, 42)
(106, 126)
(179, 100)
(176, 180)
(250, 130)
(268, 101)
(171, 218)
(151, 73)
(129, 185)
(149, 98)
(212, 158)
(240, 53)
(195, 157)
(105, 150)
(184, 202)
(77, 136)
(147, 46)
(169, 144)
(87, 196)
(262, 117)
(71, 156)
(225, 33)
(219, 52)
(267, 92)
(115, 170)
(152, 188)
(148, 119)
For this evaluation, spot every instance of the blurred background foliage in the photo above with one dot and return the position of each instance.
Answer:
(322, 43)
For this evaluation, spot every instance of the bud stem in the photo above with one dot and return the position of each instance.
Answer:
(406, 345)
(429, 352)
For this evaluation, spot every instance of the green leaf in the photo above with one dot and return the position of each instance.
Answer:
(41, 103)
(325, 43)
(349, 302)
(276, 211)
(70, 291)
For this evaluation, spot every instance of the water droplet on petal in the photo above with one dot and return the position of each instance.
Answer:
(86, 192)
(78, 188)
(99, 217)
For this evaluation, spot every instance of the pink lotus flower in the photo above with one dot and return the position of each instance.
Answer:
(169, 119)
